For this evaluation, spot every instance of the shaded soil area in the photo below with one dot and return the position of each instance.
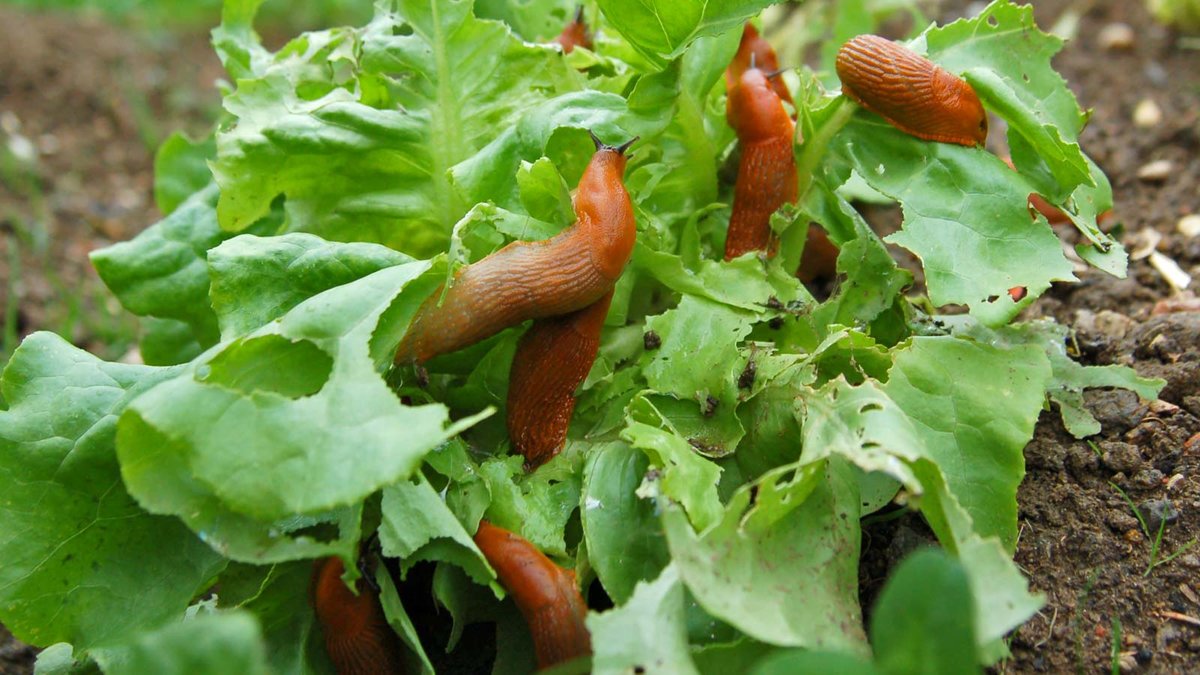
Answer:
(91, 102)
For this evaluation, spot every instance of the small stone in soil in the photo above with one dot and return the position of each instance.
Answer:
(1122, 457)
(1156, 511)
(1147, 114)
(1189, 225)
(1156, 171)
(1116, 36)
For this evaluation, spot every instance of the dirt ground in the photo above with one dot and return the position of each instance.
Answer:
(91, 102)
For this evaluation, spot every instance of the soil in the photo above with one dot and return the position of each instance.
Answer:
(91, 100)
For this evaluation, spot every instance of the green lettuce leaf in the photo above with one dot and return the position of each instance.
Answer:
(648, 632)
(74, 544)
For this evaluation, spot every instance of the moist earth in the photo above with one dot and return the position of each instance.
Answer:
(92, 101)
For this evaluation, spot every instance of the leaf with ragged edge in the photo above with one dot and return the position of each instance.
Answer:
(661, 29)
(1070, 378)
(536, 506)
(255, 280)
(327, 425)
(74, 543)
(363, 150)
(686, 477)
(965, 217)
(625, 542)
(210, 643)
(181, 169)
(783, 569)
(544, 193)
(418, 526)
(974, 407)
(646, 634)
(966, 214)
(162, 272)
(699, 355)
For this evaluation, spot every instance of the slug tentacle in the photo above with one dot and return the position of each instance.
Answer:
(534, 280)
(552, 360)
(545, 594)
(357, 636)
(911, 92)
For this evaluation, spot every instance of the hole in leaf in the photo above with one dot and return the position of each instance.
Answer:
(271, 363)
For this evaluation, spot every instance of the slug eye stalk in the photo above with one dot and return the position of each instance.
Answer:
(619, 149)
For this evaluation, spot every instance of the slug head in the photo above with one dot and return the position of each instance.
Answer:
(754, 108)
(610, 159)
(964, 110)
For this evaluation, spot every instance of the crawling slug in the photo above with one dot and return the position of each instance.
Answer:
(767, 170)
(358, 639)
(535, 279)
(552, 360)
(819, 260)
(755, 52)
(910, 91)
(544, 592)
(575, 34)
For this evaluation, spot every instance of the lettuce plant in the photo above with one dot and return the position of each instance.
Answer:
(714, 479)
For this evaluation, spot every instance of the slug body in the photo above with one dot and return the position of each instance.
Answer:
(538, 279)
(911, 92)
(575, 34)
(552, 360)
(767, 169)
(754, 51)
(819, 260)
(358, 639)
(544, 592)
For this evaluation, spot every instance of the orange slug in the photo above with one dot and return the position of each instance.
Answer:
(544, 592)
(575, 34)
(755, 52)
(911, 92)
(535, 279)
(552, 360)
(767, 169)
(357, 635)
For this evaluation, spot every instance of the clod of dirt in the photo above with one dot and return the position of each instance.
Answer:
(1158, 511)
(1116, 409)
(1121, 457)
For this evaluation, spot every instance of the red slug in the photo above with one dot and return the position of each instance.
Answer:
(575, 34)
(535, 279)
(767, 170)
(819, 260)
(552, 360)
(357, 635)
(755, 52)
(910, 91)
(544, 592)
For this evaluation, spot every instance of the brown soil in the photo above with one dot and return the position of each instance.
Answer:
(91, 99)
(83, 105)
